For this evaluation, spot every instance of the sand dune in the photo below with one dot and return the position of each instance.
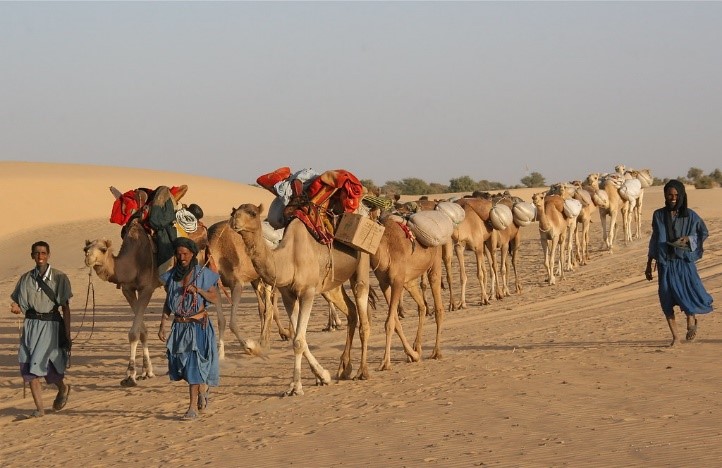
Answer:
(577, 374)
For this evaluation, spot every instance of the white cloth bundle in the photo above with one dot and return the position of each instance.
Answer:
(454, 211)
(431, 228)
(501, 216)
(572, 207)
(271, 235)
(186, 220)
(631, 189)
(524, 213)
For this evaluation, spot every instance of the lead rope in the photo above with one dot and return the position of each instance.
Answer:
(90, 292)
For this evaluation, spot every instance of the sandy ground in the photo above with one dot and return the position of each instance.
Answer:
(576, 374)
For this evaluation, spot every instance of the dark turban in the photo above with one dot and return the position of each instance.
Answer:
(180, 272)
(681, 206)
(187, 243)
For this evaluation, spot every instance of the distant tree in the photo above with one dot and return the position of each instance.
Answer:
(658, 181)
(484, 184)
(439, 188)
(704, 182)
(716, 175)
(694, 173)
(415, 186)
(534, 179)
(392, 188)
(462, 184)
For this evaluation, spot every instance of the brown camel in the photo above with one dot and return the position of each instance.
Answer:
(134, 270)
(646, 179)
(613, 209)
(399, 264)
(473, 233)
(226, 248)
(585, 219)
(553, 229)
(507, 241)
(291, 269)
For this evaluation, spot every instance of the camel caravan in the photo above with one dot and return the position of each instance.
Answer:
(352, 234)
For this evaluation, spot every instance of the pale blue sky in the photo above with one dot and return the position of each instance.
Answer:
(434, 90)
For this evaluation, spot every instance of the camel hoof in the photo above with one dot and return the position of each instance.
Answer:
(324, 378)
(128, 382)
(384, 367)
(362, 375)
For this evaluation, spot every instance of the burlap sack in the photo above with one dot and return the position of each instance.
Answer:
(431, 228)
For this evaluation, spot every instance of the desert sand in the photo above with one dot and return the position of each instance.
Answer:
(575, 374)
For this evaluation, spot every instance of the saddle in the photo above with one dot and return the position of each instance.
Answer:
(319, 205)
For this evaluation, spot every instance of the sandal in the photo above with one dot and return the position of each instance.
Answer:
(190, 416)
(691, 333)
(61, 399)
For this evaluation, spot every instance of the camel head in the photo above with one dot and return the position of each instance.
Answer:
(96, 252)
(246, 217)
(620, 168)
(592, 180)
(538, 200)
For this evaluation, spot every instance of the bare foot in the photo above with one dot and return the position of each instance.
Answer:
(674, 342)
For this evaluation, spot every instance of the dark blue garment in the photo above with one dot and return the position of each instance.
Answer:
(678, 279)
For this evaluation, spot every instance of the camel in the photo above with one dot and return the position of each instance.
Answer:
(229, 255)
(645, 177)
(553, 231)
(473, 233)
(584, 218)
(616, 205)
(399, 264)
(576, 251)
(508, 241)
(134, 270)
(291, 269)
(228, 252)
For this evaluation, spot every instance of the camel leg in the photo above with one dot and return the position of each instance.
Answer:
(515, 243)
(147, 372)
(138, 302)
(417, 295)
(463, 278)
(301, 312)
(335, 300)
(603, 221)
(339, 296)
(481, 276)
(361, 289)
(435, 280)
(446, 254)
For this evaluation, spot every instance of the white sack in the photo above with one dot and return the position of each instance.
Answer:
(572, 208)
(431, 228)
(524, 213)
(631, 189)
(271, 235)
(501, 217)
(454, 211)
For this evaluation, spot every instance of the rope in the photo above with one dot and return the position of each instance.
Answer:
(187, 221)
(90, 291)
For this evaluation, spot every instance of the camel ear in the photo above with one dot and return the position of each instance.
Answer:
(116, 193)
(260, 208)
(107, 243)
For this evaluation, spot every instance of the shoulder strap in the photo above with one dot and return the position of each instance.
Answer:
(46, 289)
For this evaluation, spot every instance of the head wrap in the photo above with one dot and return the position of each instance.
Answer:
(180, 272)
(681, 205)
(187, 243)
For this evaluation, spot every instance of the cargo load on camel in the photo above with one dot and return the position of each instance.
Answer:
(321, 202)
(162, 215)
